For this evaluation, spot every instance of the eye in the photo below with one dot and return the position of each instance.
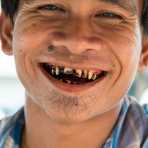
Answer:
(109, 15)
(51, 7)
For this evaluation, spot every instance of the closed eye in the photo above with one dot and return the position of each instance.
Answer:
(51, 7)
(108, 15)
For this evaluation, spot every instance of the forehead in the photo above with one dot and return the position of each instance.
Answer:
(129, 5)
(126, 4)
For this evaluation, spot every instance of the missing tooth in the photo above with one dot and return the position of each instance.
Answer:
(69, 76)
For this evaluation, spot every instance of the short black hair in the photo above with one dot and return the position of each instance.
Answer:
(144, 18)
(10, 8)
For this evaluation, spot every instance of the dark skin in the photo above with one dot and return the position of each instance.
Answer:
(54, 116)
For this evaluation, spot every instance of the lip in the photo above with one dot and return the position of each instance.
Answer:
(71, 88)
(102, 65)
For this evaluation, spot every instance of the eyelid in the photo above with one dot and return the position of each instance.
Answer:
(120, 13)
(59, 7)
(115, 15)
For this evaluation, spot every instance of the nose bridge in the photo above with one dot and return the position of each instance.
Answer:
(78, 36)
(80, 28)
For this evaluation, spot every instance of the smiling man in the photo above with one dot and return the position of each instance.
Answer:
(77, 60)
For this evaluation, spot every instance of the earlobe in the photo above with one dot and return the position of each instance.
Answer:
(144, 55)
(6, 34)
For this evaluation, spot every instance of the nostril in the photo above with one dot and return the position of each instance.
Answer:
(51, 48)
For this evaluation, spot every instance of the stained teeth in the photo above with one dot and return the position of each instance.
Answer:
(68, 81)
(94, 77)
(79, 72)
(85, 73)
(52, 71)
(57, 71)
(90, 74)
(68, 70)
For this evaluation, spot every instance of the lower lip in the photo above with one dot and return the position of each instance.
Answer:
(71, 88)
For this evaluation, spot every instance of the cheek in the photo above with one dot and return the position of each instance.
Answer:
(126, 45)
(27, 40)
(23, 47)
(33, 38)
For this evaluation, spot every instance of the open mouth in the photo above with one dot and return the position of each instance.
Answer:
(72, 76)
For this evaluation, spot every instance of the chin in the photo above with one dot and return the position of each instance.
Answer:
(67, 115)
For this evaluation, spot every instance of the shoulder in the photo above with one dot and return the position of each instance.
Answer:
(131, 129)
(137, 117)
(11, 126)
(138, 114)
(137, 109)
(5, 125)
(4, 121)
(145, 108)
(145, 141)
(11, 120)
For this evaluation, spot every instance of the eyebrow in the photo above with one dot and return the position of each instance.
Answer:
(128, 5)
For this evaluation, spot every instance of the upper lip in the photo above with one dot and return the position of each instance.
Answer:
(84, 66)
(89, 63)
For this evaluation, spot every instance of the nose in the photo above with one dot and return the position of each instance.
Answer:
(77, 37)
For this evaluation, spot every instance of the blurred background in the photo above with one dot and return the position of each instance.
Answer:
(12, 92)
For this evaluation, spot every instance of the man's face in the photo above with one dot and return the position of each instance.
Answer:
(77, 58)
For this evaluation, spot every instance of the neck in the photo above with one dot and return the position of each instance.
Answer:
(40, 131)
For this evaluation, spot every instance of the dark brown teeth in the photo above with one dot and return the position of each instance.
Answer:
(71, 76)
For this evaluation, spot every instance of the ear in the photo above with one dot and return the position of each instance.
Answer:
(6, 34)
(144, 54)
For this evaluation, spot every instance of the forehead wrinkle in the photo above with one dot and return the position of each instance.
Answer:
(129, 5)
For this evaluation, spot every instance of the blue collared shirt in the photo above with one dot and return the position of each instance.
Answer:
(130, 130)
